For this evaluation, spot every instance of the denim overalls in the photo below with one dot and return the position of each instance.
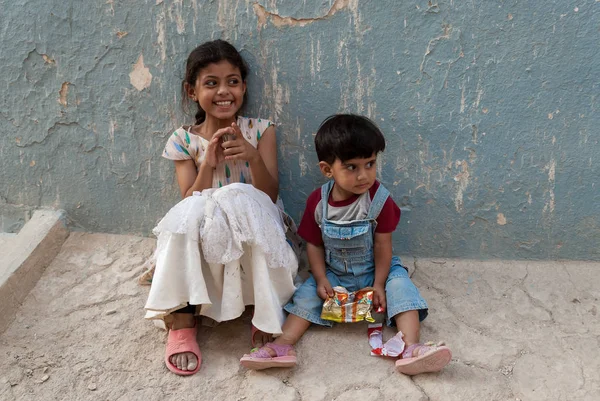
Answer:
(351, 264)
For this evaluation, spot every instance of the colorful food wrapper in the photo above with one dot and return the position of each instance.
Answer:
(349, 307)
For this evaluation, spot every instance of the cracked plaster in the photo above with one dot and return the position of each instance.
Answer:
(491, 150)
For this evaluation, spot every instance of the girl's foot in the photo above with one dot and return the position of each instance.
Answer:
(423, 358)
(270, 356)
(183, 361)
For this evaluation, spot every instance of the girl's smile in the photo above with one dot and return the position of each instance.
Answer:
(219, 90)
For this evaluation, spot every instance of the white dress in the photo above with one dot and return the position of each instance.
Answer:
(226, 247)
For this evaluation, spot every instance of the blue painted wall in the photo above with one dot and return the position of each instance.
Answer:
(489, 109)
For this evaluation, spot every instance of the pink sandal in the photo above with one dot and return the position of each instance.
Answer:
(180, 341)
(261, 359)
(430, 358)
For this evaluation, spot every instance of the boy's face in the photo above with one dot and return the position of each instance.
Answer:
(352, 177)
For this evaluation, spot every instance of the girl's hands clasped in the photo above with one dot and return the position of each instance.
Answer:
(237, 147)
(214, 151)
(229, 144)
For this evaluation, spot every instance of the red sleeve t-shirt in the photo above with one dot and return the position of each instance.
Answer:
(353, 208)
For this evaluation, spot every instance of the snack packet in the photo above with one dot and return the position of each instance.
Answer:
(349, 307)
(375, 331)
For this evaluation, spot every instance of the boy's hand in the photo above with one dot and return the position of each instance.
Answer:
(324, 289)
(379, 297)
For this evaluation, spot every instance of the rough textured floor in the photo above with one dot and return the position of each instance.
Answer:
(6, 239)
(518, 330)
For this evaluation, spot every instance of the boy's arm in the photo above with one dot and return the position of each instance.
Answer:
(316, 260)
(383, 258)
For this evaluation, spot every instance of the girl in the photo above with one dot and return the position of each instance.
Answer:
(224, 245)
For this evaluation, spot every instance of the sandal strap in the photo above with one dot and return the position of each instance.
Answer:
(182, 340)
(408, 351)
(261, 353)
(422, 349)
(280, 350)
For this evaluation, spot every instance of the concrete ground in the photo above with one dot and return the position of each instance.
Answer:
(25, 256)
(6, 239)
(518, 331)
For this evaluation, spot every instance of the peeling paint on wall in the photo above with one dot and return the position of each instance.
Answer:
(63, 93)
(462, 178)
(550, 203)
(140, 77)
(279, 21)
(500, 219)
(491, 128)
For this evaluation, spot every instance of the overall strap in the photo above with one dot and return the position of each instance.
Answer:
(325, 191)
(377, 203)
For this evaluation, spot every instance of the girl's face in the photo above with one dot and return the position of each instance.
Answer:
(219, 90)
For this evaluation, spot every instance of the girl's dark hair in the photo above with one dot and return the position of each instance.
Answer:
(348, 136)
(209, 53)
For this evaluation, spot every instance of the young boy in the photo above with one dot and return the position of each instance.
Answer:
(348, 225)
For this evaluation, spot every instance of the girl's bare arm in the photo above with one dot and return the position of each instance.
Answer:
(189, 179)
(264, 168)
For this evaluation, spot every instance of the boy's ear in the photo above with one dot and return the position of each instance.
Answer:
(326, 169)
(189, 89)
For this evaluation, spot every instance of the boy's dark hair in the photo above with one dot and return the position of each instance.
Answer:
(348, 136)
(210, 53)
